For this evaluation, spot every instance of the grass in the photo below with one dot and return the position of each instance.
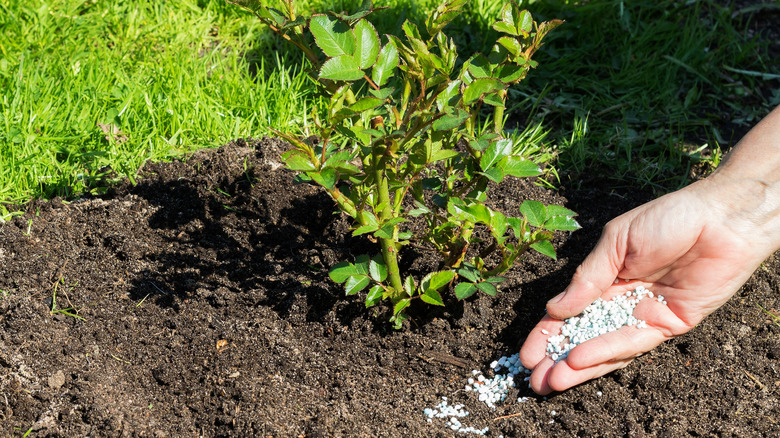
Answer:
(641, 90)
(91, 90)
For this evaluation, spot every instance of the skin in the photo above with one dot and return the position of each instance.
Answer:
(696, 247)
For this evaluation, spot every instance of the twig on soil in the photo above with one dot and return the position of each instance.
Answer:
(446, 358)
(753, 378)
(509, 416)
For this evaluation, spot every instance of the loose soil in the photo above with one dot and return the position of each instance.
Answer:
(205, 310)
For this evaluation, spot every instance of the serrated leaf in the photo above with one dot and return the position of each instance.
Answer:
(436, 280)
(493, 99)
(487, 288)
(356, 283)
(374, 295)
(449, 96)
(361, 264)
(465, 290)
(495, 280)
(332, 35)
(451, 120)
(498, 224)
(545, 247)
(431, 296)
(479, 212)
(409, 285)
(443, 154)
(511, 45)
(298, 161)
(510, 73)
(469, 272)
(401, 305)
(370, 223)
(519, 167)
(479, 87)
(387, 228)
(495, 153)
(518, 226)
(341, 68)
(366, 103)
(385, 64)
(326, 177)
(557, 210)
(479, 67)
(367, 44)
(377, 269)
(382, 93)
(525, 22)
(561, 223)
(534, 211)
(341, 271)
(500, 26)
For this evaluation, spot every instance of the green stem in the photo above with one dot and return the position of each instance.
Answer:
(498, 115)
(389, 248)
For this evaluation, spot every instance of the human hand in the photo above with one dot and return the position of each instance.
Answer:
(690, 246)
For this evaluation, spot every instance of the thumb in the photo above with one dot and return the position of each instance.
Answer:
(593, 277)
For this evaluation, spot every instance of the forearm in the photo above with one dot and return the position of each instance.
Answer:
(746, 186)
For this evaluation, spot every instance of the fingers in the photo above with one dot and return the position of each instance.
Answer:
(593, 277)
(562, 377)
(534, 348)
(618, 346)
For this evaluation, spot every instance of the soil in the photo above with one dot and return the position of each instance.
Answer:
(200, 306)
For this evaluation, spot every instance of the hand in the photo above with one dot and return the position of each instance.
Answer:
(690, 246)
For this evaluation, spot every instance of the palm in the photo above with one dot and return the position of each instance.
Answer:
(694, 263)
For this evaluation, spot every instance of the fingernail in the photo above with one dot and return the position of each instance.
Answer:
(557, 298)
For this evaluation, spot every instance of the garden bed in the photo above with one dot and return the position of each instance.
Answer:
(207, 311)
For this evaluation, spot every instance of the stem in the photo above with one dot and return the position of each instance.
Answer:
(389, 249)
(345, 204)
(498, 114)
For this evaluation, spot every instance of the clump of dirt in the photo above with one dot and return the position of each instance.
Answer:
(207, 311)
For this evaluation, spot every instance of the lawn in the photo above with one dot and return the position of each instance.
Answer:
(644, 91)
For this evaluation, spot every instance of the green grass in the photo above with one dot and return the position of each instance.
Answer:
(640, 90)
(169, 76)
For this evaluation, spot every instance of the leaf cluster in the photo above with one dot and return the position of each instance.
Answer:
(413, 132)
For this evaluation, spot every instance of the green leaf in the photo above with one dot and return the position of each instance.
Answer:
(465, 290)
(341, 68)
(385, 64)
(498, 224)
(369, 221)
(361, 264)
(342, 271)
(409, 285)
(511, 45)
(366, 44)
(519, 167)
(493, 99)
(366, 103)
(401, 305)
(495, 280)
(326, 177)
(479, 87)
(387, 228)
(479, 67)
(545, 247)
(510, 73)
(356, 283)
(377, 269)
(374, 295)
(487, 288)
(332, 35)
(534, 212)
(562, 223)
(431, 296)
(443, 154)
(469, 272)
(449, 96)
(382, 93)
(525, 22)
(500, 26)
(495, 153)
(436, 280)
(298, 161)
(557, 210)
(451, 120)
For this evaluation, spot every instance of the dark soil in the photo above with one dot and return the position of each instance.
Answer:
(207, 311)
